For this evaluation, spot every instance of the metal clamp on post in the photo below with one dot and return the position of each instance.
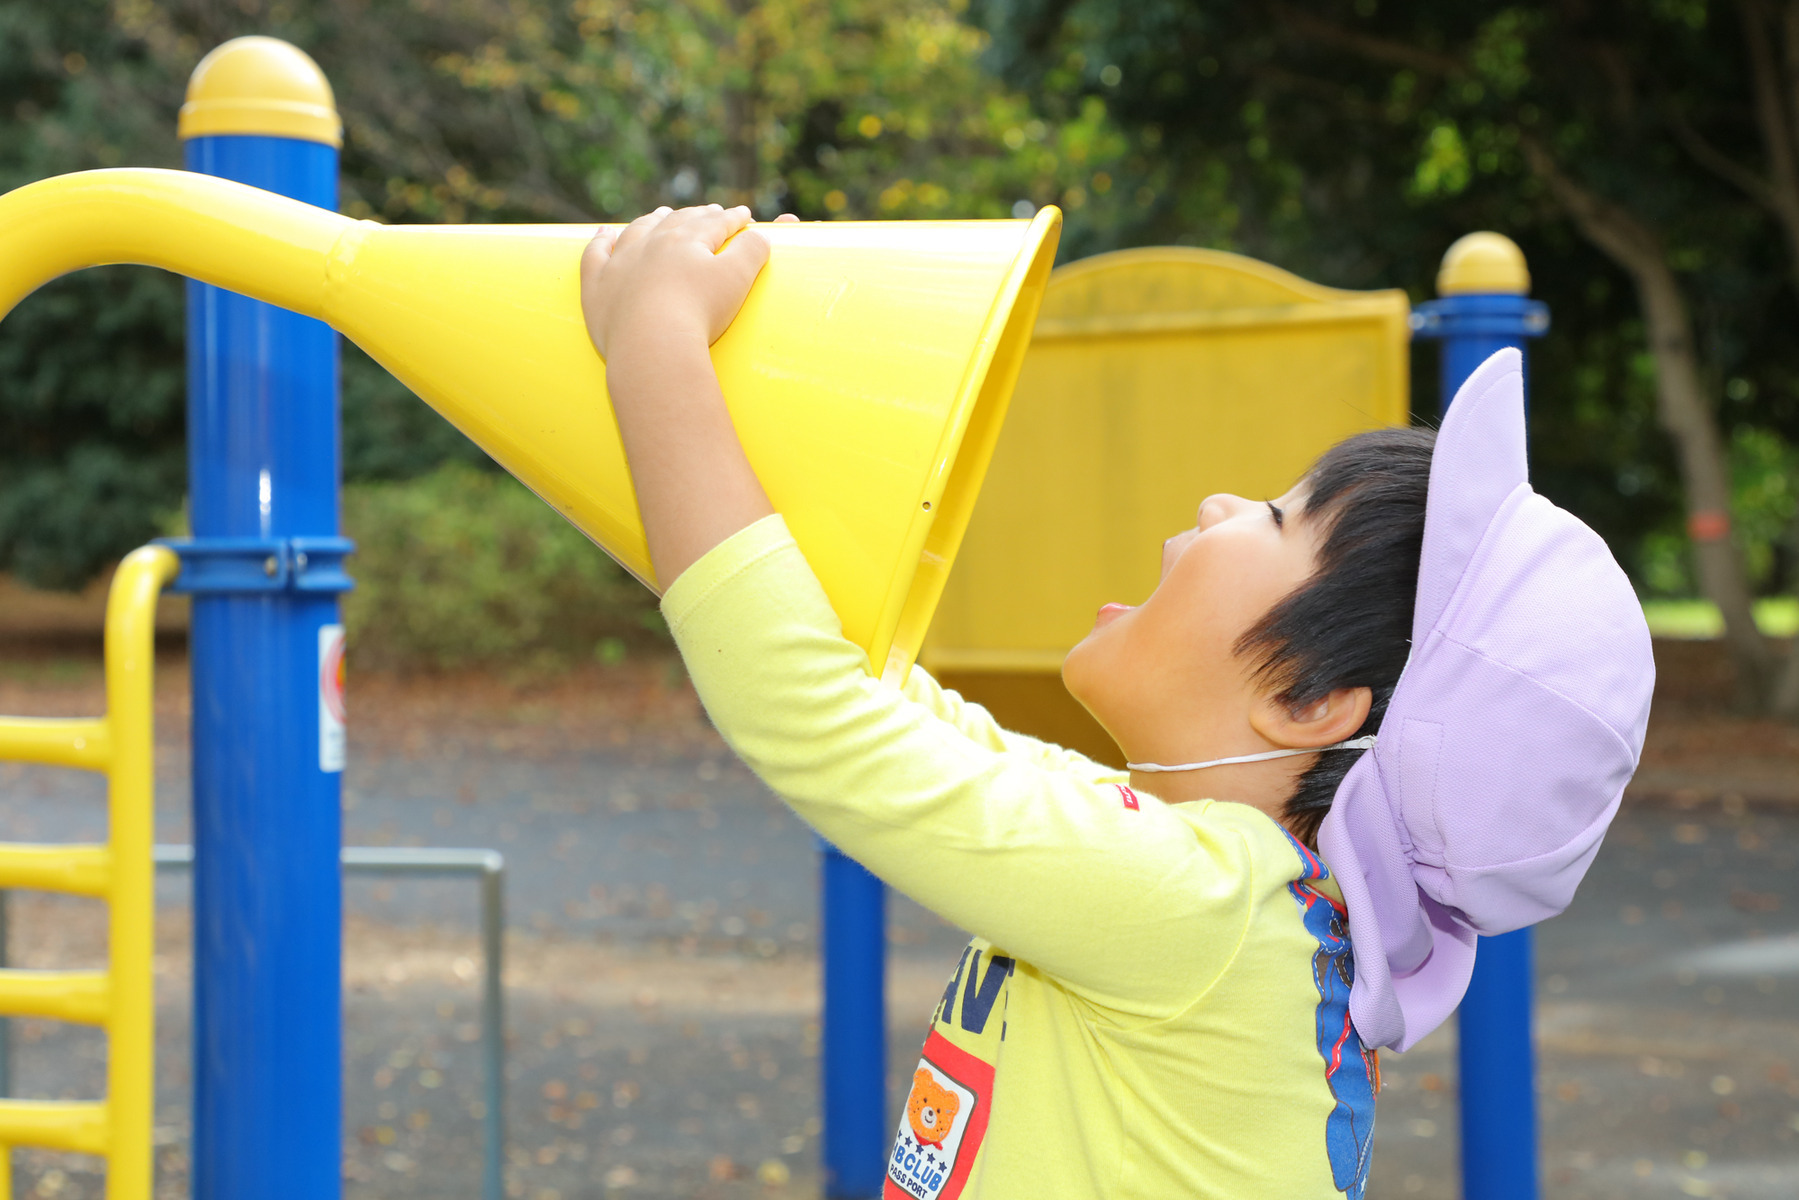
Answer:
(1489, 315)
(237, 566)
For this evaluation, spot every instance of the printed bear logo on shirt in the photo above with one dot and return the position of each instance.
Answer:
(931, 1109)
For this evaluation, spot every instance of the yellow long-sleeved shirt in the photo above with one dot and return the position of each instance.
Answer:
(1156, 1004)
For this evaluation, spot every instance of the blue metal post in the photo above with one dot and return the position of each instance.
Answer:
(853, 941)
(1473, 326)
(1495, 1048)
(264, 568)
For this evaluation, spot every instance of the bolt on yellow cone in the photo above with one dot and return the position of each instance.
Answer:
(868, 373)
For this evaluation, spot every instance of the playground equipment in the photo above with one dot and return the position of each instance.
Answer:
(867, 374)
(264, 568)
(120, 999)
(1484, 285)
(924, 327)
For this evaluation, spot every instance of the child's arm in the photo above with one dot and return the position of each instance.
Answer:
(655, 297)
(978, 724)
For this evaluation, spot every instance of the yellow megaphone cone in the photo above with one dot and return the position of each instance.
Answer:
(868, 372)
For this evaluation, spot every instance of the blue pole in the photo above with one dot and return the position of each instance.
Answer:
(853, 942)
(264, 569)
(1495, 1048)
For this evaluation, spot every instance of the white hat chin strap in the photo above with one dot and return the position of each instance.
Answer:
(1361, 743)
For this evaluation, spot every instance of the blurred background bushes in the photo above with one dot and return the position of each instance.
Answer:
(463, 567)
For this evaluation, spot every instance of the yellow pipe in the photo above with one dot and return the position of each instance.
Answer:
(160, 219)
(75, 870)
(131, 814)
(78, 996)
(867, 373)
(122, 997)
(74, 1125)
(82, 743)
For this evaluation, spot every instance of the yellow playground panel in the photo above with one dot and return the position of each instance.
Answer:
(1154, 378)
(121, 998)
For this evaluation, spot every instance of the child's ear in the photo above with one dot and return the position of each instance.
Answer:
(1324, 722)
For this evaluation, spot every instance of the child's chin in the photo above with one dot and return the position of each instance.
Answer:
(1081, 665)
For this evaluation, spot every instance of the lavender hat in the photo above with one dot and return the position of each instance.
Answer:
(1509, 739)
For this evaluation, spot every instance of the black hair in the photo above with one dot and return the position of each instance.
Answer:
(1350, 624)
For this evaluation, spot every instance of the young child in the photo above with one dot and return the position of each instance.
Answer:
(1162, 997)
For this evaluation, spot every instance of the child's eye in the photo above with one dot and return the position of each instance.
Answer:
(1277, 514)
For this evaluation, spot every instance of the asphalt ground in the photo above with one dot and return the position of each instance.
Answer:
(662, 976)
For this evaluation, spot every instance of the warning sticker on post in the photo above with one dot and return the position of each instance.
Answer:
(331, 697)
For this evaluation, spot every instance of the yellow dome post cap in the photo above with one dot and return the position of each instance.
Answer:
(1483, 262)
(260, 85)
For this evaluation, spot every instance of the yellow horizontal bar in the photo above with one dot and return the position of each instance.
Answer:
(82, 742)
(78, 996)
(74, 1125)
(77, 870)
(1050, 329)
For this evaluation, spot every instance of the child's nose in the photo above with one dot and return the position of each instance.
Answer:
(1219, 507)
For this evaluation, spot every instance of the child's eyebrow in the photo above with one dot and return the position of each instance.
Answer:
(1279, 516)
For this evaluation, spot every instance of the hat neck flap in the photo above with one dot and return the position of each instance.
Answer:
(1480, 459)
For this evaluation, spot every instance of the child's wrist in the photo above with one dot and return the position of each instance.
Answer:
(657, 359)
(654, 336)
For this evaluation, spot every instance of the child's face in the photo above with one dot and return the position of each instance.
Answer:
(1164, 678)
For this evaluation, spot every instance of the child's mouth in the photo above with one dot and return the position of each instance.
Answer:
(1109, 613)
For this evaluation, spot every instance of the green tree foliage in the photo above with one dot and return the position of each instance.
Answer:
(1641, 151)
(476, 110)
(828, 108)
(462, 567)
(92, 387)
(90, 369)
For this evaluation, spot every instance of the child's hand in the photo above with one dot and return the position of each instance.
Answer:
(663, 277)
(655, 296)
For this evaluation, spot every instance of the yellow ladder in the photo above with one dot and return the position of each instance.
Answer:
(120, 999)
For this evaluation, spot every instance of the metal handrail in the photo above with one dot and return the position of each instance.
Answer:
(490, 866)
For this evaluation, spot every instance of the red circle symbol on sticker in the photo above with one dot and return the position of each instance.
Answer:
(331, 677)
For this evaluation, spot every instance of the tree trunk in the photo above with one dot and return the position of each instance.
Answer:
(1681, 401)
(1684, 411)
(1687, 415)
